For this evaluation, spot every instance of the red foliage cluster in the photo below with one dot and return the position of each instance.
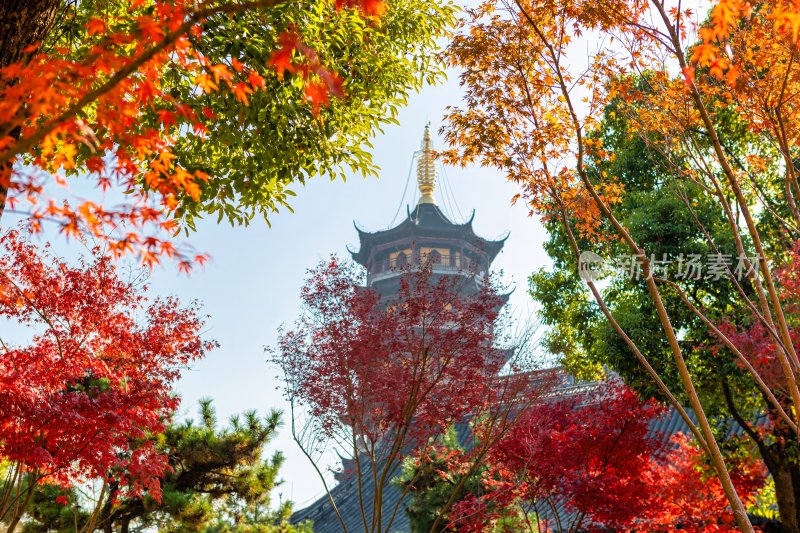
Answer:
(376, 365)
(587, 451)
(758, 346)
(43, 115)
(83, 396)
(686, 492)
(594, 456)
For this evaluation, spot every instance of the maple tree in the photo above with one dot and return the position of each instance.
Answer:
(534, 100)
(192, 108)
(82, 397)
(590, 451)
(654, 210)
(383, 378)
(686, 494)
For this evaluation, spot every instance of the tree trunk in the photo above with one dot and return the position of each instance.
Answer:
(22, 23)
(106, 519)
(785, 473)
(779, 457)
(17, 516)
(787, 483)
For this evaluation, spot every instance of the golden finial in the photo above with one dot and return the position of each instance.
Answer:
(426, 169)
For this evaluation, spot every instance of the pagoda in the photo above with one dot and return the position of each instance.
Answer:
(425, 236)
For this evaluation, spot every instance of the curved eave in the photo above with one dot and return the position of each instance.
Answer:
(360, 231)
(425, 220)
(490, 248)
(493, 248)
(356, 255)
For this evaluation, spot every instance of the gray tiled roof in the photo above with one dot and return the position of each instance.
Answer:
(345, 494)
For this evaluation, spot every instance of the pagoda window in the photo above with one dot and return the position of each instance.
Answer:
(384, 262)
(401, 260)
(435, 257)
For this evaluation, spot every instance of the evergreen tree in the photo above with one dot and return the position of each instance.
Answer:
(219, 481)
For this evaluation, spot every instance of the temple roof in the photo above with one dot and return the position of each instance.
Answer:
(425, 220)
(345, 493)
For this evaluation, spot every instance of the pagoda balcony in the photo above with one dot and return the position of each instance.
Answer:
(442, 264)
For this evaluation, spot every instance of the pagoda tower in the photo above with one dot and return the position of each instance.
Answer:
(425, 236)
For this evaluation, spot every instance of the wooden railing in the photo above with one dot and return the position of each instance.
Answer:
(437, 261)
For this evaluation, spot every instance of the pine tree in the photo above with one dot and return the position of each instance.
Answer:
(219, 481)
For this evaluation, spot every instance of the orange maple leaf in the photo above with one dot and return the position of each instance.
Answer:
(241, 90)
(220, 72)
(791, 21)
(166, 117)
(317, 94)
(206, 83)
(147, 91)
(255, 80)
(281, 60)
(373, 8)
(150, 28)
(95, 26)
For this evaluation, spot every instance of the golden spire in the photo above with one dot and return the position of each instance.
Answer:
(426, 169)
